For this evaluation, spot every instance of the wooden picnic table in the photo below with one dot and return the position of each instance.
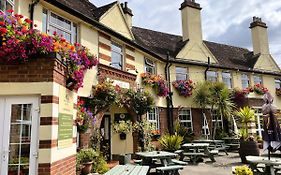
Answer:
(163, 156)
(128, 170)
(269, 164)
(193, 150)
(214, 144)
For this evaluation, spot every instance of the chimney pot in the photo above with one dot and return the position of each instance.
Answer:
(190, 3)
(257, 22)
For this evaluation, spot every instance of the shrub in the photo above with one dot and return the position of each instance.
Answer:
(100, 165)
(86, 155)
(171, 142)
(243, 170)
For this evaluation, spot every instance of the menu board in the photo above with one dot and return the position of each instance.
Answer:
(65, 130)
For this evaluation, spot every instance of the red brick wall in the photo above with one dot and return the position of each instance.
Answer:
(45, 69)
(65, 166)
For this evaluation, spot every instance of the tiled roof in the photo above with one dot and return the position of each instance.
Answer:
(160, 43)
(87, 8)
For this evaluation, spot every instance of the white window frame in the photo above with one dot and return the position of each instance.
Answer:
(148, 63)
(257, 76)
(156, 122)
(120, 53)
(258, 120)
(244, 79)
(227, 78)
(219, 119)
(186, 120)
(71, 31)
(11, 2)
(277, 81)
(182, 74)
(211, 78)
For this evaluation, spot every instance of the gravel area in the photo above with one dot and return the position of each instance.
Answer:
(222, 166)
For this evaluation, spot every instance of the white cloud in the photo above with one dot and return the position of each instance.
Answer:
(222, 21)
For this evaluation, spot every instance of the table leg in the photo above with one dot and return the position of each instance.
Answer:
(211, 156)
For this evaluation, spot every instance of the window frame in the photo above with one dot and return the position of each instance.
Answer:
(258, 121)
(186, 121)
(259, 76)
(208, 77)
(116, 44)
(148, 63)
(277, 80)
(156, 122)
(72, 33)
(219, 119)
(182, 74)
(248, 79)
(11, 2)
(231, 79)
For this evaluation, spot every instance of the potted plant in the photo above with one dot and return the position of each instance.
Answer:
(247, 144)
(85, 157)
(122, 128)
(259, 89)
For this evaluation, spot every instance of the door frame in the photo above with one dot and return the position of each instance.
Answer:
(108, 116)
(35, 122)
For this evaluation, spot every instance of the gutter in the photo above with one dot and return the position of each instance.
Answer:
(31, 9)
(169, 98)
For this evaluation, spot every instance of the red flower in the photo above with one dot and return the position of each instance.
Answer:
(2, 23)
(3, 30)
(10, 11)
(28, 21)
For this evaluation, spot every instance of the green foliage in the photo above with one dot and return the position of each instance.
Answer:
(220, 134)
(245, 116)
(202, 94)
(122, 127)
(100, 165)
(180, 130)
(171, 142)
(243, 170)
(86, 155)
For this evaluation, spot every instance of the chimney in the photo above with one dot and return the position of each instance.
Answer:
(191, 21)
(259, 36)
(128, 14)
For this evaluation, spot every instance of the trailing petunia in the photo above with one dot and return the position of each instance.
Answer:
(156, 82)
(20, 43)
(184, 87)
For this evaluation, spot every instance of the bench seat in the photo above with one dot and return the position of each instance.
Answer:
(178, 162)
(172, 168)
(193, 154)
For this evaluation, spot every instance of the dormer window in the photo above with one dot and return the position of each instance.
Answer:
(6, 5)
(149, 66)
(116, 56)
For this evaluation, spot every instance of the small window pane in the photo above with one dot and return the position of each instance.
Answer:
(257, 79)
(75, 32)
(149, 66)
(212, 76)
(245, 81)
(116, 60)
(185, 118)
(181, 73)
(227, 79)
(153, 118)
(45, 21)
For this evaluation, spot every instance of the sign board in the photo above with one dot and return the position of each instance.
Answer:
(122, 84)
(65, 130)
(65, 121)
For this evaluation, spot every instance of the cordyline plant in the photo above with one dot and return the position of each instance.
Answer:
(20, 43)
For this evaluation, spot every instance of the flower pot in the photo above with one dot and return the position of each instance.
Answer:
(87, 168)
(248, 148)
(122, 136)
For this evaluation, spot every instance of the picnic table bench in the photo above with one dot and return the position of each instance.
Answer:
(196, 151)
(215, 145)
(269, 167)
(128, 170)
(169, 170)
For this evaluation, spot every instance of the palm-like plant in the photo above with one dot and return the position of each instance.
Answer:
(171, 142)
(246, 115)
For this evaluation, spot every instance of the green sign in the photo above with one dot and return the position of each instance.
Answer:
(65, 130)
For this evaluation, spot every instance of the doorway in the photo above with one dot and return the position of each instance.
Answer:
(105, 131)
(19, 123)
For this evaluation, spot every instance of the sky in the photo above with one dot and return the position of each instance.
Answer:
(223, 21)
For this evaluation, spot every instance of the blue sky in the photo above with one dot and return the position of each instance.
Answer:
(222, 21)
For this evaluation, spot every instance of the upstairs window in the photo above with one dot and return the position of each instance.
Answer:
(277, 83)
(257, 79)
(64, 27)
(227, 79)
(185, 118)
(212, 76)
(181, 73)
(153, 118)
(116, 56)
(6, 5)
(245, 81)
(149, 66)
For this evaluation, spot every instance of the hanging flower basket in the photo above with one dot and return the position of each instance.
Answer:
(184, 87)
(157, 83)
(260, 89)
(123, 136)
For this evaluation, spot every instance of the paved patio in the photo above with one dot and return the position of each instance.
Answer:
(222, 166)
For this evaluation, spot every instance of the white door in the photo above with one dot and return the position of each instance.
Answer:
(19, 144)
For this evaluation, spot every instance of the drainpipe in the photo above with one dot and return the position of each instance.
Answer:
(169, 98)
(31, 9)
(207, 69)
